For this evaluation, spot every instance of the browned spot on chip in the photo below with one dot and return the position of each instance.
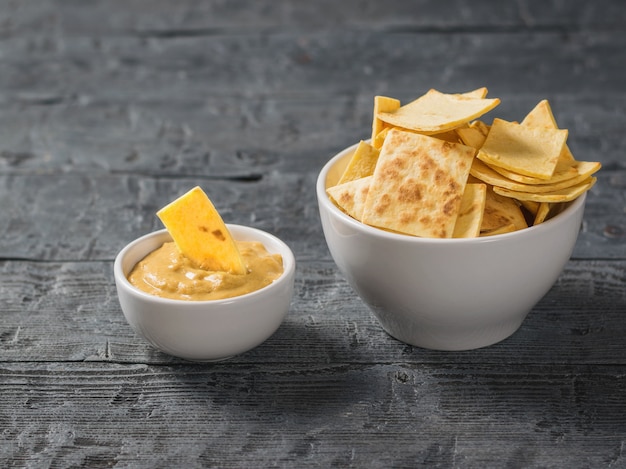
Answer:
(219, 235)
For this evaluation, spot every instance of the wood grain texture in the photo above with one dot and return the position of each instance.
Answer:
(109, 110)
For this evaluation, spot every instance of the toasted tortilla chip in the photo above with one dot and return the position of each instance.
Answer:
(470, 216)
(509, 228)
(501, 211)
(481, 127)
(532, 207)
(382, 104)
(541, 116)
(200, 233)
(418, 185)
(450, 135)
(485, 173)
(361, 164)
(471, 137)
(350, 196)
(562, 195)
(563, 171)
(436, 112)
(524, 150)
(542, 213)
(378, 141)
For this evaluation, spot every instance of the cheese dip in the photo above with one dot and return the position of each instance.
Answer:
(165, 272)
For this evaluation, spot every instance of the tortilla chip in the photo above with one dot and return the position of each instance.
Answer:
(542, 213)
(471, 137)
(562, 195)
(378, 141)
(382, 104)
(541, 116)
(436, 112)
(481, 127)
(524, 150)
(470, 216)
(532, 207)
(509, 228)
(485, 173)
(418, 185)
(563, 171)
(361, 164)
(200, 233)
(350, 196)
(501, 211)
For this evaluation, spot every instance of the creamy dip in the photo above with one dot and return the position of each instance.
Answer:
(165, 272)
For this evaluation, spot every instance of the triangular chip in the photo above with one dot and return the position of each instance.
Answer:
(378, 141)
(382, 104)
(470, 216)
(563, 171)
(563, 195)
(418, 184)
(200, 233)
(541, 116)
(525, 150)
(508, 228)
(350, 196)
(485, 173)
(436, 112)
(361, 164)
(471, 137)
(542, 213)
(501, 211)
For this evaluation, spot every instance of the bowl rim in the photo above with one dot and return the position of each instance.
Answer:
(289, 266)
(323, 200)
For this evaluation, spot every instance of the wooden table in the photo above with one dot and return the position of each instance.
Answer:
(109, 110)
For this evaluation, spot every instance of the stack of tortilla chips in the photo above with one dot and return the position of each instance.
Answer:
(434, 169)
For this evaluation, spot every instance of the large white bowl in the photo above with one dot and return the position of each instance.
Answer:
(447, 294)
(205, 330)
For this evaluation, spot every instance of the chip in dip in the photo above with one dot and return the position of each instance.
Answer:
(203, 262)
(434, 168)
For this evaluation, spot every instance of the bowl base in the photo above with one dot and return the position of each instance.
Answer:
(457, 340)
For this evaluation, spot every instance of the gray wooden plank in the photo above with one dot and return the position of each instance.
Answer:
(387, 415)
(64, 312)
(189, 17)
(123, 69)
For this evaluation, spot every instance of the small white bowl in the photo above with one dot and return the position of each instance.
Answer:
(447, 294)
(205, 330)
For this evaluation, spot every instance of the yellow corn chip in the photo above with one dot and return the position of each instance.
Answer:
(525, 150)
(509, 228)
(418, 184)
(562, 195)
(485, 173)
(436, 112)
(200, 233)
(471, 137)
(542, 213)
(382, 104)
(532, 207)
(470, 216)
(350, 196)
(361, 164)
(481, 127)
(380, 138)
(563, 171)
(541, 116)
(501, 211)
